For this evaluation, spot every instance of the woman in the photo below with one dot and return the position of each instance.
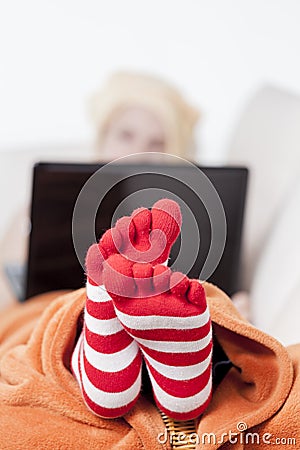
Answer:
(131, 113)
(135, 113)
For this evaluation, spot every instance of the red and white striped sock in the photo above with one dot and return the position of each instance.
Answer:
(167, 315)
(107, 361)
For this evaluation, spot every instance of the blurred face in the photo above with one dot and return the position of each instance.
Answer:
(134, 130)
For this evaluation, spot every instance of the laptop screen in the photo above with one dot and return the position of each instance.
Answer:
(57, 246)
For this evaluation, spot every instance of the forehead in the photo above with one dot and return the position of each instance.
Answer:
(138, 117)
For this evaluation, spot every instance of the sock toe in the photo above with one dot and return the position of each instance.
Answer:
(166, 216)
(143, 279)
(111, 242)
(94, 263)
(179, 284)
(126, 228)
(169, 207)
(118, 276)
(142, 223)
(196, 294)
(161, 278)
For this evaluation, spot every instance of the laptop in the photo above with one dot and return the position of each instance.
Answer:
(73, 204)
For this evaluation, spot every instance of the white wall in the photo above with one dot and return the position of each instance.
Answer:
(53, 54)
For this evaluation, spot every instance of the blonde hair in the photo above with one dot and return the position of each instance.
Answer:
(125, 89)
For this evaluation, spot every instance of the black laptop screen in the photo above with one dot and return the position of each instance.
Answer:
(52, 260)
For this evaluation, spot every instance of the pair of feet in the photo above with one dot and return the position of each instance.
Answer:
(137, 308)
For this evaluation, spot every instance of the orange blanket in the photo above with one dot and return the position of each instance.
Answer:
(41, 405)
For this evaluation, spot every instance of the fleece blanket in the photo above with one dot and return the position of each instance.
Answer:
(256, 405)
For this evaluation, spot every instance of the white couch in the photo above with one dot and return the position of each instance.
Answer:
(267, 140)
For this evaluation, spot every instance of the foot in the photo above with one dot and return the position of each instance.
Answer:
(167, 315)
(146, 236)
(107, 361)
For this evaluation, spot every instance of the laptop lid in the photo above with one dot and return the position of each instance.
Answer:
(52, 259)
